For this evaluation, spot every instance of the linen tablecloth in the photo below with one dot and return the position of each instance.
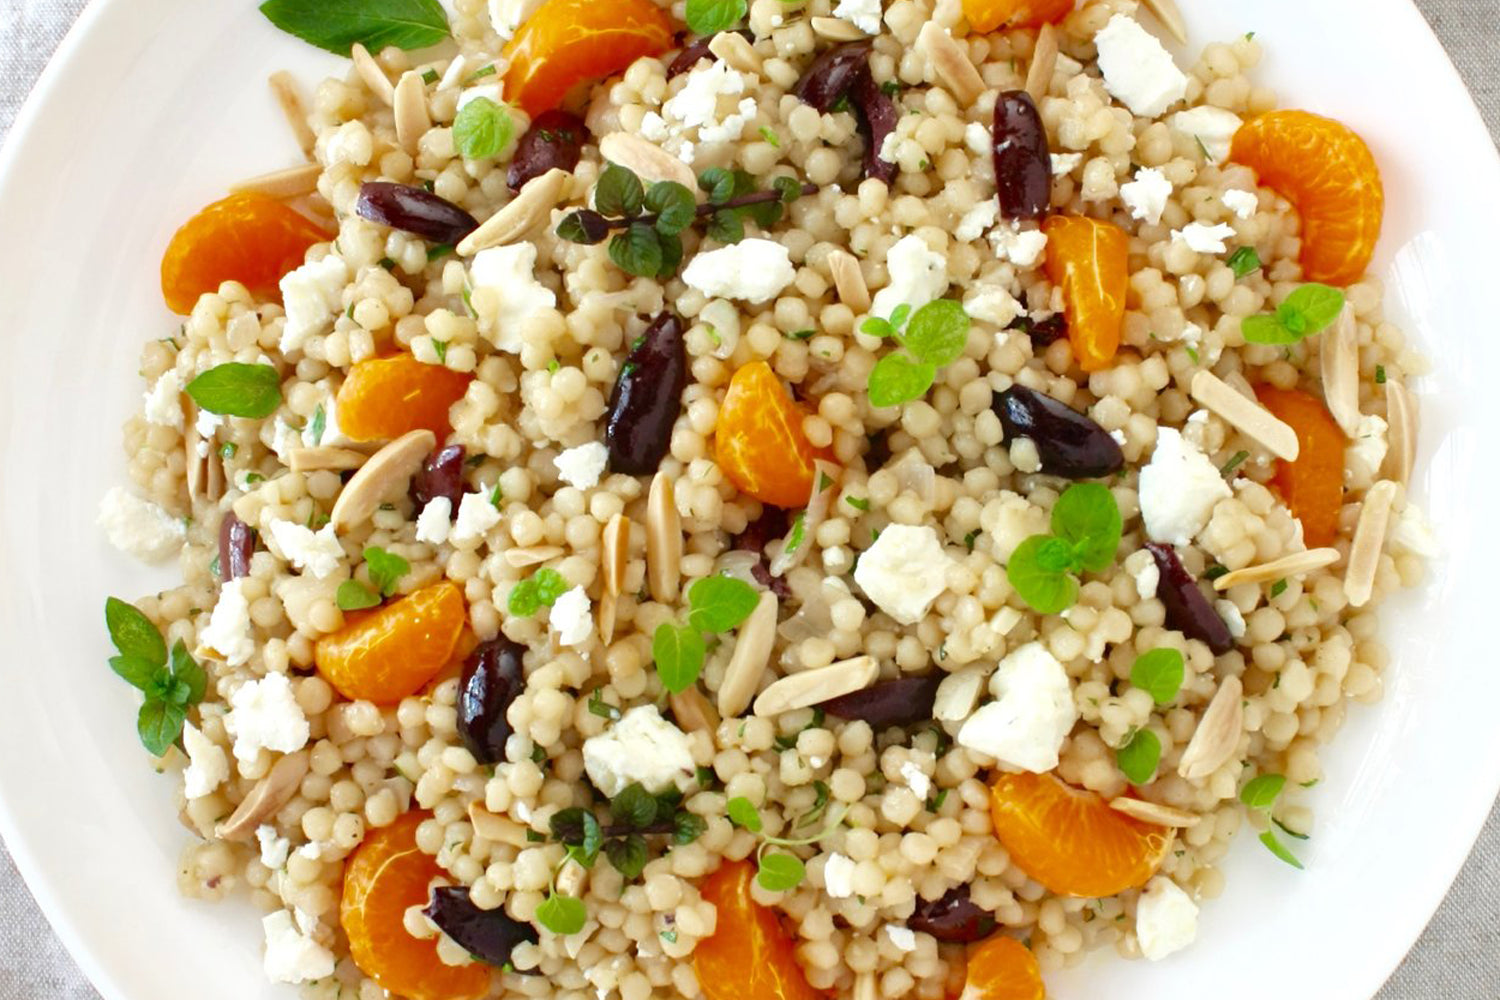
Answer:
(1458, 958)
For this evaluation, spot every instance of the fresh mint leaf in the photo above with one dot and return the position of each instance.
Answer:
(674, 205)
(1244, 261)
(671, 255)
(136, 672)
(1034, 572)
(618, 192)
(720, 603)
(1138, 759)
(132, 633)
(1087, 516)
(159, 723)
(1264, 328)
(1308, 310)
(877, 327)
(336, 25)
(742, 813)
(938, 332)
(562, 915)
(238, 390)
(780, 872)
(687, 827)
(628, 854)
(1276, 847)
(726, 226)
(679, 653)
(1159, 673)
(1262, 792)
(188, 671)
(899, 315)
(385, 569)
(583, 226)
(637, 251)
(535, 592)
(634, 806)
(482, 129)
(718, 184)
(788, 188)
(355, 596)
(897, 379)
(705, 17)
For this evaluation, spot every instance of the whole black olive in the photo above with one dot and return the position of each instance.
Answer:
(488, 935)
(1068, 443)
(952, 918)
(492, 678)
(832, 74)
(647, 398)
(413, 210)
(555, 139)
(1188, 611)
(899, 702)
(1023, 161)
(844, 71)
(441, 475)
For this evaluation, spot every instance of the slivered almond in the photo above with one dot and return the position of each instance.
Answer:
(499, 829)
(412, 117)
(292, 182)
(325, 457)
(289, 98)
(1296, 564)
(849, 280)
(1338, 357)
(1170, 16)
(663, 540)
(646, 159)
(370, 72)
(1218, 732)
(835, 29)
(1153, 812)
(954, 69)
(204, 466)
(810, 687)
(1252, 419)
(1043, 64)
(1401, 415)
(531, 555)
(615, 553)
(388, 470)
(1369, 539)
(736, 51)
(266, 798)
(957, 694)
(608, 610)
(213, 475)
(751, 656)
(531, 207)
(693, 712)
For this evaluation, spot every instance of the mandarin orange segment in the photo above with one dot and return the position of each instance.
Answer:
(1002, 968)
(1070, 840)
(384, 876)
(249, 237)
(390, 653)
(1313, 485)
(987, 15)
(384, 398)
(749, 956)
(759, 442)
(1325, 169)
(1089, 260)
(567, 42)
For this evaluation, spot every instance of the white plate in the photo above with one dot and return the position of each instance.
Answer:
(153, 106)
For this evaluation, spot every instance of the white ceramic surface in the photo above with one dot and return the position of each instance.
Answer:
(153, 106)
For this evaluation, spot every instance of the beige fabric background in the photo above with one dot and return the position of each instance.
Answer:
(1458, 958)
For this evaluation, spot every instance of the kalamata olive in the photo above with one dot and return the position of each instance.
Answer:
(832, 74)
(441, 475)
(899, 702)
(413, 210)
(1023, 161)
(844, 71)
(647, 398)
(555, 139)
(953, 918)
(488, 935)
(1188, 611)
(771, 525)
(878, 115)
(1069, 444)
(491, 680)
(236, 546)
(688, 57)
(1042, 332)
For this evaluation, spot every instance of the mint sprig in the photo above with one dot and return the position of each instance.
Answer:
(238, 390)
(535, 592)
(1260, 795)
(170, 685)
(1086, 529)
(936, 336)
(715, 604)
(336, 25)
(779, 871)
(1308, 310)
(482, 129)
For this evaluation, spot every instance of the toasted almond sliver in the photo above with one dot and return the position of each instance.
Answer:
(531, 555)
(608, 611)
(1043, 64)
(370, 72)
(500, 829)
(325, 457)
(646, 159)
(412, 117)
(736, 51)
(531, 207)
(957, 694)
(289, 98)
(955, 70)
(1170, 16)
(751, 656)
(1369, 539)
(269, 795)
(811, 687)
(190, 441)
(1338, 357)
(1401, 415)
(1296, 564)
(1152, 812)
(1218, 732)
(835, 29)
(663, 540)
(1250, 417)
(293, 182)
(849, 280)
(693, 712)
(615, 553)
(388, 470)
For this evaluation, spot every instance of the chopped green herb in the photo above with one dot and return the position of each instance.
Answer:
(486, 70)
(1235, 461)
(375, 24)
(1214, 572)
(858, 503)
(228, 449)
(1276, 847)
(970, 538)
(438, 251)
(1192, 353)
(554, 366)
(318, 425)
(440, 348)
(1244, 261)
(1380, 374)
(936, 802)
(794, 537)
(1278, 588)
(598, 706)
(890, 88)
(387, 263)
(430, 76)
(770, 136)
(801, 334)
(669, 936)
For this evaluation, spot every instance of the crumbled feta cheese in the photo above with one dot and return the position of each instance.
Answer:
(1411, 532)
(976, 220)
(1235, 621)
(228, 629)
(727, 129)
(838, 876)
(313, 295)
(889, 145)
(291, 956)
(1142, 568)
(164, 401)
(139, 527)
(1204, 238)
(570, 617)
(916, 779)
(507, 16)
(1365, 452)
(1138, 71)
(274, 848)
(1022, 247)
(978, 139)
(697, 103)
(265, 713)
(476, 516)
(1147, 195)
(1242, 203)
(312, 851)
(992, 304)
(1065, 163)
(904, 938)
(1031, 716)
(863, 14)
(1213, 127)
(904, 571)
(208, 424)
(489, 91)
(1178, 489)
(316, 552)
(641, 747)
(654, 127)
(208, 766)
(582, 466)
(435, 521)
(1166, 919)
(511, 272)
(754, 270)
(917, 276)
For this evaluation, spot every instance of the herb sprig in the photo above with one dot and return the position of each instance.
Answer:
(171, 685)
(1308, 310)
(1086, 528)
(706, 17)
(386, 570)
(375, 24)
(482, 129)
(1260, 795)
(936, 336)
(537, 591)
(715, 604)
(780, 871)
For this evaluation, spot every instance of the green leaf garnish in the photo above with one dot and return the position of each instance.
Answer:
(1035, 574)
(1088, 516)
(897, 379)
(780, 872)
(726, 227)
(628, 854)
(679, 652)
(1308, 310)
(562, 915)
(1244, 261)
(799, 529)
(1261, 793)
(1276, 847)
(132, 633)
(1278, 588)
(633, 805)
(318, 425)
(1159, 673)
(938, 332)
(170, 688)
(335, 25)
(187, 671)
(705, 17)
(482, 129)
(637, 251)
(159, 723)
(718, 184)
(742, 813)
(355, 596)
(136, 672)
(937, 336)
(238, 390)
(387, 569)
(674, 205)
(1137, 759)
(720, 603)
(618, 191)
(687, 827)
(535, 592)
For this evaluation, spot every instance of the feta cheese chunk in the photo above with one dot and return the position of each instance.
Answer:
(1031, 716)
(1022, 247)
(139, 527)
(208, 765)
(164, 401)
(1365, 452)
(916, 779)
(917, 276)
(978, 139)
(754, 270)
(976, 220)
(208, 424)
(1142, 568)
(1242, 203)
(316, 552)
(863, 14)
(1213, 127)
(274, 848)
(1166, 919)
(904, 571)
(1138, 71)
(314, 296)
(1204, 238)
(435, 521)
(1411, 532)
(264, 714)
(1147, 195)
(641, 747)
(838, 876)
(510, 271)
(1233, 620)
(1178, 489)
(292, 956)
(904, 938)
(992, 304)
(228, 629)
(570, 617)
(697, 103)
(582, 466)
(1065, 163)
(476, 516)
